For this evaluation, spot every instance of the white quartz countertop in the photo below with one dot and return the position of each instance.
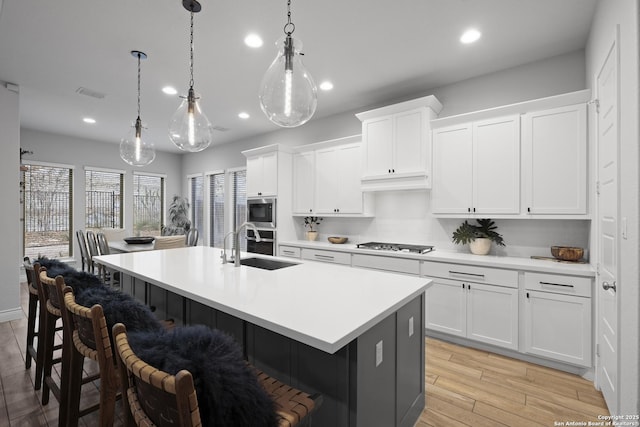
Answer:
(513, 263)
(322, 305)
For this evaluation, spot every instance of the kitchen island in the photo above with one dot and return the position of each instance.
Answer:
(354, 336)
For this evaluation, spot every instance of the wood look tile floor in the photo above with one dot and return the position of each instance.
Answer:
(465, 387)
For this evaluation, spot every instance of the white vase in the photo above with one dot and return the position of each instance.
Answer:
(312, 235)
(480, 246)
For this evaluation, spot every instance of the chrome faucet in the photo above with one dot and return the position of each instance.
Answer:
(236, 242)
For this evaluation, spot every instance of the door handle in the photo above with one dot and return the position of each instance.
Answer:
(606, 286)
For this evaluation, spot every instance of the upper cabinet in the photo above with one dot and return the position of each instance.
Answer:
(262, 174)
(326, 179)
(396, 145)
(555, 160)
(476, 167)
(516, 161)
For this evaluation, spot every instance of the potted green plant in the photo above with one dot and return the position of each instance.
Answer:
(310, 222)
(178, 217)
(479, 236)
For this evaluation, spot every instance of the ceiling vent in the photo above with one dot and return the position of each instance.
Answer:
(89, 92)
(220, 129)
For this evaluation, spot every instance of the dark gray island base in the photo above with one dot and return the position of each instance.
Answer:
(376, 379)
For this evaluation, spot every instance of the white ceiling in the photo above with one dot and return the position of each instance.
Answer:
(372, 50)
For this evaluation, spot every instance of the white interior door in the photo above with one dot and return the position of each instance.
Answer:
(608, 224)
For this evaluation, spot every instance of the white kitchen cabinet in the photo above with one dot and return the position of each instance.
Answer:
(476, 167)
(557, 317)
(397, 150)
(555, 161)
(337, 180)
(375, 262)
(289, 251)
(304, 182)
(473, 302)
(262, 174)
(326, 256)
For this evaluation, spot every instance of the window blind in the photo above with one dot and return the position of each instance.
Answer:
(239, 202)
(216, 210)
(197, 202)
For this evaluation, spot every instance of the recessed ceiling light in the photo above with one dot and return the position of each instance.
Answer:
(326, 85)
(253, 40)
(89, 120)
(244, 115)
(169, 90)
(469, 36)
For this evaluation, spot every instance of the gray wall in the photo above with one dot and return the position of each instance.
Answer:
(10, 196)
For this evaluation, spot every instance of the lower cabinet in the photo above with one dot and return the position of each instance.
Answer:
(557, 318)
(485, 313)
(326, 256)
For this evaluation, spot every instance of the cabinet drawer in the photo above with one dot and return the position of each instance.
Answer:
(326, 256)
(470, 273)
(289, 251)
(400, 265)
(559, 284)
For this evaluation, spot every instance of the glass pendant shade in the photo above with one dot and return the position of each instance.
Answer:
(288, 94)
(189, 129)
(136, 149)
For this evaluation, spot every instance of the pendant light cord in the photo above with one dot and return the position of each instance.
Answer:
(191, 53)
(139, 55)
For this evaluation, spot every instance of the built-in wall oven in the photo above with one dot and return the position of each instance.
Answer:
(262, 212)
(266, 245)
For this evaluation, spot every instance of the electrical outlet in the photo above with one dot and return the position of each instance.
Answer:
(378, 353)
(411, 326)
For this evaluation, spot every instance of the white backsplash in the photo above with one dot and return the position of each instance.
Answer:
(405, 217)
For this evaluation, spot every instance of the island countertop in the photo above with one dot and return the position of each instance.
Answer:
(322, 305)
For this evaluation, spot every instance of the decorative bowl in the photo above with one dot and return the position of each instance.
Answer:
(337, 240)
(139, 240)
(567, 253)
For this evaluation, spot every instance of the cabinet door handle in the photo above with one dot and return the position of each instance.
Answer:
(556, 284)
(528, 209)
(288, 252)
(468, 209)
(474, 209)
(462, 273)
(527, 295)
(463, 286)
(327, 257)
(606, 286)
(393, 170)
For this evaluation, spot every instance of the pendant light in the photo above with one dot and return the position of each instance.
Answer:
(134, 149)
(189, 129)
(288, 94)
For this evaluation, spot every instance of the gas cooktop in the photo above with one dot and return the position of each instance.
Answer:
(396, 247)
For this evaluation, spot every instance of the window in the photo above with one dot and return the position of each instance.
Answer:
(148, 204)
(227, 205)
(48, 211)
(216, 210)
(196, 193)
(104, 191)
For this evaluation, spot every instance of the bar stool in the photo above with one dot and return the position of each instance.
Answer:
(53, 302)
(87, 328)
(34, 312)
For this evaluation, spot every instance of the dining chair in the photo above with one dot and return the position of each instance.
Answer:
(169, 242)
(92, 245)
(110, 277)
(151, 396)
(84, 252)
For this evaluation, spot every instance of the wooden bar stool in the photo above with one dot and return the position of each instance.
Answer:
(33, 352)
(54, 306)
(88, 330)
(153, 397)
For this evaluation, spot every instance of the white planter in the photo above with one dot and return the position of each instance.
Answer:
(312, 235)
(480, 246)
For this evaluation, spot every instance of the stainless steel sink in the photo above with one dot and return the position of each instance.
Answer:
(266, 264)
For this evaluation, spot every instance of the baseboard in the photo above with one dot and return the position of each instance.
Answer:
(11, 314)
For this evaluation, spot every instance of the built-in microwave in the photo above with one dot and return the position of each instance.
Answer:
(262, 212)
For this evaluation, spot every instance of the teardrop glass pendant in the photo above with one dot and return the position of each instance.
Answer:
(136, 150)
(189, 129)
(288, 94)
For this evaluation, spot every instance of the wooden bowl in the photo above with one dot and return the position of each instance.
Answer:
(567, 253)
(337, 240)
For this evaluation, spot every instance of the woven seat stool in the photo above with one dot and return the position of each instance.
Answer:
(34, 315)
(54, 306)
(87, 328)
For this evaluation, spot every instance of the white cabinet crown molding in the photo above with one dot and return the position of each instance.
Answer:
(429, 101)
(571, 98)
(266, 149)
